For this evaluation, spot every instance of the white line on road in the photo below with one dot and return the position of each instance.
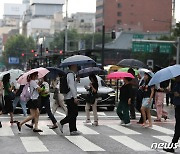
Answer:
(130, 143)
(86, 130)
(61, 113)
(123, 130)
(33, 144)
(83, 143)
(167, 139)
(6, 131)
(162, 129)
(46, 130)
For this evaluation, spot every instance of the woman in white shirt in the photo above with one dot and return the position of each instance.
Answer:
(33, 103)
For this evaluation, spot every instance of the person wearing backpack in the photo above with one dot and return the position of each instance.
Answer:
(32, 103)
(68, 87)
(19, 89)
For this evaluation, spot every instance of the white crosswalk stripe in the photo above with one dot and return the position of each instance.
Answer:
(33, 144)
(130, 143)
(167, 139)
(162, 130)
(123, 130)
(6, 131)
(86, 130)
(83, 143)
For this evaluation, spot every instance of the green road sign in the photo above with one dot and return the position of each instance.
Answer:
(138, 36)
(151, 47)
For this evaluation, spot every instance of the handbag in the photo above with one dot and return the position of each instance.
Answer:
(90, 97)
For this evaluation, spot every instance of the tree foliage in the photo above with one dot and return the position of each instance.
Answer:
(91, 40)
(16, 45)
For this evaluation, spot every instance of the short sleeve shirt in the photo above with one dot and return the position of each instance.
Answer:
(33, 90)
(126, 92)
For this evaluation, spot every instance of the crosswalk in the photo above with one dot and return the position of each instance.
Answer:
(108, 136)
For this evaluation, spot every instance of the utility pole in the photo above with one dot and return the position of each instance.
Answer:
(178, 50)
(66, 29)
(103, 37)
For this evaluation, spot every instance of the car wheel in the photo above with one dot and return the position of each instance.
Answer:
(110, 108)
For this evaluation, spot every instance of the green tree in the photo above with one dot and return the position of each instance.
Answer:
(16, 45)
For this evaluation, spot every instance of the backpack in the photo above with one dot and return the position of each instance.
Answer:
(26, 94)
(63, 86)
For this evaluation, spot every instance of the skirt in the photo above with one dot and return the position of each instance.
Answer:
(146, 104)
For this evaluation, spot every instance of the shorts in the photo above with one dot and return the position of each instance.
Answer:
(33, 104)
(146, 104)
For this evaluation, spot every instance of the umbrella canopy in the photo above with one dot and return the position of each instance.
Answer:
(120, 75)
(125, 69)
(165, 74)
(54, 72)
(141, 71)
(14, 74)
(131, 63)
(41, 73)
(90, 70)
(77, 59)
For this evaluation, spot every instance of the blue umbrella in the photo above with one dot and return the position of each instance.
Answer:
(54, 72)
(165, 74)
(77, 60)
(90, 70)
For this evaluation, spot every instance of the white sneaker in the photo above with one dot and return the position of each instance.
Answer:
(61, 128)
(128, 124)
(122, 122)
(87, 121)
(75, 133)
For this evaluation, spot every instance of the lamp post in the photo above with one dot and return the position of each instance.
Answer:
(66, 29)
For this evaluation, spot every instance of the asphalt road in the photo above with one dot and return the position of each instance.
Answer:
(109, 137)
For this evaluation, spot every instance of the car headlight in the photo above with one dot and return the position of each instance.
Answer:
(112, 94)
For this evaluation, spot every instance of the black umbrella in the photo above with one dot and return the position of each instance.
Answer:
(54, 72)
(131, 63)
(90, 70)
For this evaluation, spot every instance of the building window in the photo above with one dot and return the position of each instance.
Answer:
(99, 15)
(119, 5)
(99, 7)
(118, 22)
(82, 20)
(119, 14)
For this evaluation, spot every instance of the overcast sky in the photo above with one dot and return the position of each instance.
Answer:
(80, 6)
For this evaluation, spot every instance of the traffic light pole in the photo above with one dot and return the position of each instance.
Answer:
(103, 42)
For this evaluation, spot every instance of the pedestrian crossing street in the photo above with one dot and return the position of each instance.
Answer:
(108, 137)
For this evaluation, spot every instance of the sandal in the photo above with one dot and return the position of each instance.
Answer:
(37, 130)
(19, 127)
(53, 127)
(29, 126)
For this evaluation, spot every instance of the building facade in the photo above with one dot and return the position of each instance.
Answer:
(139, 15)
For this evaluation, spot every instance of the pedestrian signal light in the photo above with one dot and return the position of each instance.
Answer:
(61, 52)
(32, 51)
(22, 54)
(35, 54)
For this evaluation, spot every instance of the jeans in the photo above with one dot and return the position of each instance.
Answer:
(22, 103)
(46, 103)
(71, 116)
(123, 111)
(177, 125)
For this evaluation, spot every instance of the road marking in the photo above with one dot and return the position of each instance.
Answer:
(83, 143)
(130, 143)
(6, 131)
(123, 130)
(33, 144)
(167, 139)
(46, 130)
(86, 130)
(162, 129)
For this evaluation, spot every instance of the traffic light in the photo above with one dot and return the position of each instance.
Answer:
(61, 52)
(22, 54)
(47, 50)
(35, 54)
(32, 51)
(113, 35)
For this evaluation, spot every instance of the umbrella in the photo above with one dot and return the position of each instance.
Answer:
(141, 71)
(90, 70)
(77, 59)
(41, 73)
(120, 75)
(125, 69)
(131, 63)
(14, 74)
(165, 74)
(54, 72)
